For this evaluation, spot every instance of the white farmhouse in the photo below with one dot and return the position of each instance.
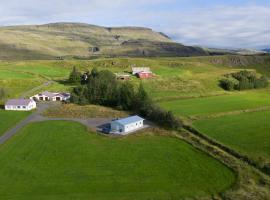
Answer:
(127, 125)
(50, 96)
(20, 104)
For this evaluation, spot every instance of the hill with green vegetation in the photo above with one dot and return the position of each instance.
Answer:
(76, 40)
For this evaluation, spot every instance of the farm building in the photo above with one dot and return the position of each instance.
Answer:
(142, 72)
(50, 96)
(127, 125)
(136, 70)
(20, 104)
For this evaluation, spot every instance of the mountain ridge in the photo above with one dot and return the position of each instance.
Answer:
(81, 40)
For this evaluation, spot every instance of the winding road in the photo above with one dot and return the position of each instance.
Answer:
(91, 123)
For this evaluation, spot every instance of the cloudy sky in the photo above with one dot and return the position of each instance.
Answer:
(212, 23)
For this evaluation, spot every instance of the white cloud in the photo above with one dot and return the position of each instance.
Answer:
(246, 27)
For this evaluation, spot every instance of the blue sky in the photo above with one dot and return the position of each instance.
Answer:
(215, 23)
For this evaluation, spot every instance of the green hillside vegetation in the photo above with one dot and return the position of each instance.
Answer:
(143, 166)
(246, 132)
(189, 87)
(176, 78)
(218, 104)
(75, 40)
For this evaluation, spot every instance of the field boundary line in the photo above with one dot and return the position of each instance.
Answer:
(230, 113)
(264, 169)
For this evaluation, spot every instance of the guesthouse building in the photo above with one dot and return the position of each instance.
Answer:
(20, 104)
(51, 96)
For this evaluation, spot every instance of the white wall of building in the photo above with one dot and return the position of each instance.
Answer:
(32, 105)
(117, 127)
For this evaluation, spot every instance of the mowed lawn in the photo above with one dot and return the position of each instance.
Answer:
(248, 133)
(8, 119)
(61, 160)
(218, 104)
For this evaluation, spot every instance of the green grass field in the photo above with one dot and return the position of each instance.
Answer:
(219, 104)
(61, 160)
(9, 118)
(249, 133)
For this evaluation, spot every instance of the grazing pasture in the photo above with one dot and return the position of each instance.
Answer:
(218, 104)
(9, 118)
(61, 160)
(248, 133)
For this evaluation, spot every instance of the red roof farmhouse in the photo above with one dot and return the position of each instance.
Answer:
(142, 72)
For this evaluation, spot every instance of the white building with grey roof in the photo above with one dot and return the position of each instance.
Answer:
(127, 125)
(20, 104)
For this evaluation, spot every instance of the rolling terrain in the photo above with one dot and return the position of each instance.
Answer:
(186, 86)
(76, 40)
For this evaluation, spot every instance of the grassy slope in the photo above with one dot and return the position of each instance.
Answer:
(247, 132)
(45, 163)
(9, 119)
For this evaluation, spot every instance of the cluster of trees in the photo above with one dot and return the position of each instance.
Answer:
(2, 93)
(102, 88)
(243, 80)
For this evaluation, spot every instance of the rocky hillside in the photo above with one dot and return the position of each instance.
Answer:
(69, 40)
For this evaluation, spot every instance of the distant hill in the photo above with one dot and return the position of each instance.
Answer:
(216, 51)
(266, 50)
(76, 40)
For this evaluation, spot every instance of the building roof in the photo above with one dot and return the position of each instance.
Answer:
(136, 70)
(129, 120)
(51, 95)
(18, 102)
(48, 94)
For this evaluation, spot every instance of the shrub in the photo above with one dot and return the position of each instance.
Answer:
(229, 83)
(243, 80)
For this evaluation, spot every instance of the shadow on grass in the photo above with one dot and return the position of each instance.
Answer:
(65, 82)
(104, 128)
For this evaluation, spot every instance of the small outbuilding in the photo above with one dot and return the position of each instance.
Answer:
(127, 125)
(142, 72)
(20, 104)
(136, 70)
(51, 96)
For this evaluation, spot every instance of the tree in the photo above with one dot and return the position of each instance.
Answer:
(94, 72)
(126, 96)
(75, 76)
(2, 93)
